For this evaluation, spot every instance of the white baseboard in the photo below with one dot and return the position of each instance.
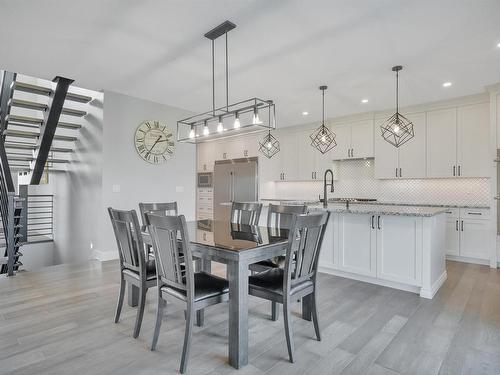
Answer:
(429, 294)
(457, 258)
(368, 279)
(104, 256)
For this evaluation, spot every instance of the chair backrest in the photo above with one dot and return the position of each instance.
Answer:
(280, 216)
(304, 241)
(174, 261)
(245, 213)
(166, 209)
(128, 239)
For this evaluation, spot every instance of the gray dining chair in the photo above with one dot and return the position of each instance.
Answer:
(167, 209)
(298, 278)
(176, 276)
(134, 268)
(245, 213)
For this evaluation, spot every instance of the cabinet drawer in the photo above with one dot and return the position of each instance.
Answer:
(452, 213)
(205, 200)
(475, 213)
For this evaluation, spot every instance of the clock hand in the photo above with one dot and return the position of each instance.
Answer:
(154, 144)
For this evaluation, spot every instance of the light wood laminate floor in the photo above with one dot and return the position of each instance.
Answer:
(60, 321)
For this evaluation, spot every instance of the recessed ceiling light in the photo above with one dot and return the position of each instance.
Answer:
(447, 84)
(364, 101)
(305, 113)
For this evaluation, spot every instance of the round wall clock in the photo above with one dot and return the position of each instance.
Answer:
(154, 142)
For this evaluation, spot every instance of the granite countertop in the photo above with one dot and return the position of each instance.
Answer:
(378, 203)
(380, 209)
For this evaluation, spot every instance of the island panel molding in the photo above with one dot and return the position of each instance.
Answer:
(154, 141)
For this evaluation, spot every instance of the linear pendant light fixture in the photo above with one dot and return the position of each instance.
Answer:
(323, 138)
(232, 119)
(397, 129)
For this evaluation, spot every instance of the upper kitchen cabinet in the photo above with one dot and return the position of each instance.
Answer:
(289, 157)
(205, 155)
(242, 147)
(407, 161)
(442, 143)
(354, 140)
(473, 130)
(458, 142)
(312, 163)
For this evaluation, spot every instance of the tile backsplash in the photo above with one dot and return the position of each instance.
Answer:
(355, 179)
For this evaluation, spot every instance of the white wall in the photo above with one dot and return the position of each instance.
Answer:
(138, 180)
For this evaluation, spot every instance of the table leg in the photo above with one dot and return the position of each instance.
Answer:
(206, 266)
(307, 307)
(132, 295)
(238, 314)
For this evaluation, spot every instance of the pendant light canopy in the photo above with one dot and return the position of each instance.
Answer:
(397, 129)
(323, 138)
(230, 119)
(269, 145)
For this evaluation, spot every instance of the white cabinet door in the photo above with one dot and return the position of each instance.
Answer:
(412, 153)
(386, 157)
(474, 238)
(362, 139)
(357, 244)
(205, 156)
(399, 249)
(269, 169)
(343, 138)
(473, 124)
(306, 162)
(290, 156)
(322, 163)
(452, 236)
(326, 255)
(441, 143)
(222, 150)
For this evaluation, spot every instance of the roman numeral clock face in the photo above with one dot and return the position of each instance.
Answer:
(154, 142)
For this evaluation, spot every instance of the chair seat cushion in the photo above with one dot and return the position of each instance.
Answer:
(273, 281)
(206, 285)
(275, 262)
(150, 271)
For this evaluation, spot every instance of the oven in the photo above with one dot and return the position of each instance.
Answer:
(205, 180)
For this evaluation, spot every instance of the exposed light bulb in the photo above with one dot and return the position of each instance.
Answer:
(305, 113)
(396, 128)
(191, 132)
(205, 129)
(220, 126)
(237, 122)
(269, 145)
(364, 101)
(447, 84)
(323, 138)
(256, 119)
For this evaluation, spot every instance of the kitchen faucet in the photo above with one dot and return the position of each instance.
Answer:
(332, 189)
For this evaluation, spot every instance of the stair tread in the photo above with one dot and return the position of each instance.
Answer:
(43, 107)
(41, 90)
(30, 158)
(30, 146)
(38, 121)
(26, 134)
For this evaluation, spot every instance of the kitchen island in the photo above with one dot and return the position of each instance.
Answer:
(399, 246)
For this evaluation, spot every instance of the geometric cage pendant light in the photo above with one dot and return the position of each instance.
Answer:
(323, 139)
(397, 129)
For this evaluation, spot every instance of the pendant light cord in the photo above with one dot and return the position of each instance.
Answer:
(213, 77)
(227, 77)
(323, 93)
(397, 91)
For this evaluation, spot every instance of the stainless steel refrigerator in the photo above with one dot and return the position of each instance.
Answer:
(234, 181)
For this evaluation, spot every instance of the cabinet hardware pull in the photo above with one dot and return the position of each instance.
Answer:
(459, 170)
(400, 174)
(456, 225)
(454, 168)
(396, 172)
(312, 175)
(378, 222)
(474, 213)
(373, 224)
(462, 226)
(352, 152)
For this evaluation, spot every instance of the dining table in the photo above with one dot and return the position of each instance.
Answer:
(237, 246)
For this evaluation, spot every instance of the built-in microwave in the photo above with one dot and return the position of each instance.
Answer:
(205, 179)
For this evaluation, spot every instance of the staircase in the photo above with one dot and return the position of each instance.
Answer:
(39, 124)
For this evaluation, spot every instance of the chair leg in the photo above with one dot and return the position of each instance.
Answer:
(187, 338)
(140, 310)
(314, 311)
(121, 296)
(288, 331)
(275, 310)
(159, 317)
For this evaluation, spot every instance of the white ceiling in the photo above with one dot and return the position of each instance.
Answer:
(281, 50)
